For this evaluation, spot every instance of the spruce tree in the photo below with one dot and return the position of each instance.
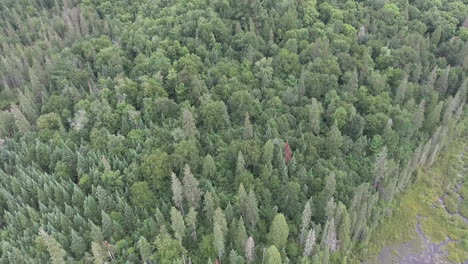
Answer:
(279, 231)
(209, 206)
(305, 222)
(240, 235)
(251, 211)
(145, 250)
(250, 250)
(177, 191)
(272, 256)
(218, 240)
(191, 190)
(178, 225)
(191, 220)
(248, 128)
(309, 243)
(56, 252)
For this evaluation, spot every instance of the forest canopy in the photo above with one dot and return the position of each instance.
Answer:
(218, 131)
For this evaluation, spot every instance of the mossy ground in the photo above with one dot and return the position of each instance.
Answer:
(439, 220)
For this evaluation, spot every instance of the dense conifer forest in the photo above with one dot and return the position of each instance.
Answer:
(218, 131)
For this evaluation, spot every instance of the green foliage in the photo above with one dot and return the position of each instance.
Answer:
(279, 231)
(155, 131)
(273, 256)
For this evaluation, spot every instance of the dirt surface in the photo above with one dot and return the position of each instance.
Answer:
(417, 251)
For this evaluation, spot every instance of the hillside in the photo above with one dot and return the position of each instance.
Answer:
(219, 131)
(429, 222)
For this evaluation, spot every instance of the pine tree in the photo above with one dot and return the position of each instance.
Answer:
(330, 186)
(273, 256)
(218, 241)
(240, 165)
(178, 225)
(78, 245)
(418, 116)
(329, 239)
(243, 200)
(191, 190)
(309, 243)
(177, 190)
(234, 258)
(334, 141)
(326, 256)
(248, 128)
(240, 235)
(190, 128)
(250, 250)
(344, 229)
(27, 106)
(107, 225)
(145, 250)
(251, 211)
(267, 154)
(220, 219)
(57, 254)
(129, 218)
(401, 91)
(315, 112)
(305, 221)
(22, 124)
(433, 118)
(330, 208)
(99, 253)
(229, 212)
(96, 233)
(209, 206)
(380, 168)
(209, 167)
(441, 84)
(191, 220)
(279, 231)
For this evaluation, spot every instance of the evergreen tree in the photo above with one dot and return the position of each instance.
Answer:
(178, 225)
(315, 116)
(78, 245)
(329, 240)
(344, 229)
(56, 252)
(177, 190)
(107, 225)
(190, 128)
(248, 129)
(191, 220)
(220, 219)
(240, 235)
(209, 206)
(22, 124)
(99, 254)
(191, 190)
(442, 82)
(309, 243)
(250, 250)
(251, 210)
(273, 256)
(279, 231)
(218, 241)
(209, 167)
(234, 258)
(240, 165)
(305, 222)
(145, 250)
